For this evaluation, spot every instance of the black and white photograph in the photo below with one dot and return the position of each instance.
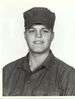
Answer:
(37, 39)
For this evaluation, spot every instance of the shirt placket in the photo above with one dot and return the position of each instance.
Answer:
(27, 88)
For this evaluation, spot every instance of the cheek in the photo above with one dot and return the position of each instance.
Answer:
(48, 38)
(29, 38)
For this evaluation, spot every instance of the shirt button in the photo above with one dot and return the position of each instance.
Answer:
(28, 81)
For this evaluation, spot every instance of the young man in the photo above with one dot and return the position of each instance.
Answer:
(40, 73)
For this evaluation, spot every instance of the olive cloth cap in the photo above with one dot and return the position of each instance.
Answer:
(39, 15)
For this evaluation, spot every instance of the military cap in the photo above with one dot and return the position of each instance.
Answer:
(39, 15)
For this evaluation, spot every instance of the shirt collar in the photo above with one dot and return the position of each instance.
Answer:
(47, 63)
(24, 64)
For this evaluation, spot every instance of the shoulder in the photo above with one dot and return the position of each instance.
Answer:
(63, 66)
(11, 68)
(66, 72)
(66, 75)
(13, 65)
(63, 70)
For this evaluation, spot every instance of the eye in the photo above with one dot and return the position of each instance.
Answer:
(45, 30)
(31, 30)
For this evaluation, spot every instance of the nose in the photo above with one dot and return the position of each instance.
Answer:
(38, 34)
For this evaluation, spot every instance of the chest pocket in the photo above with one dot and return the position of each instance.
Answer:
(43, 92)
(46, 90)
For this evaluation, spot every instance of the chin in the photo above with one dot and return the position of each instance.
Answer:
(39, 51)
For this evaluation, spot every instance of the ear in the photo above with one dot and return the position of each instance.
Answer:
(52, 36)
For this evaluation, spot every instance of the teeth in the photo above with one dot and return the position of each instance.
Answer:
(38, 42)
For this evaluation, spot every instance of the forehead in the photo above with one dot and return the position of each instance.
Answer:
(38, 26)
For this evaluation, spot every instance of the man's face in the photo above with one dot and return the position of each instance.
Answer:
(38, 38)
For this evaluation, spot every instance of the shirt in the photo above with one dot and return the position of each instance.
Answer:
(53, 78)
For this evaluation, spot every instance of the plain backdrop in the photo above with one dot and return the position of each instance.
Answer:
(12, 43)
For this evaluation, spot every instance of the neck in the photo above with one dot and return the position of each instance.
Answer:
(35, 59)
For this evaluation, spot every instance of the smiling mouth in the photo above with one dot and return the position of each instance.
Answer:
(38, 42)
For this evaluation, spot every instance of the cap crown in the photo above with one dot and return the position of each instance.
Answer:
(39, 15)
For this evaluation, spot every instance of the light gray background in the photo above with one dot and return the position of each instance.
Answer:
(12, 43)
